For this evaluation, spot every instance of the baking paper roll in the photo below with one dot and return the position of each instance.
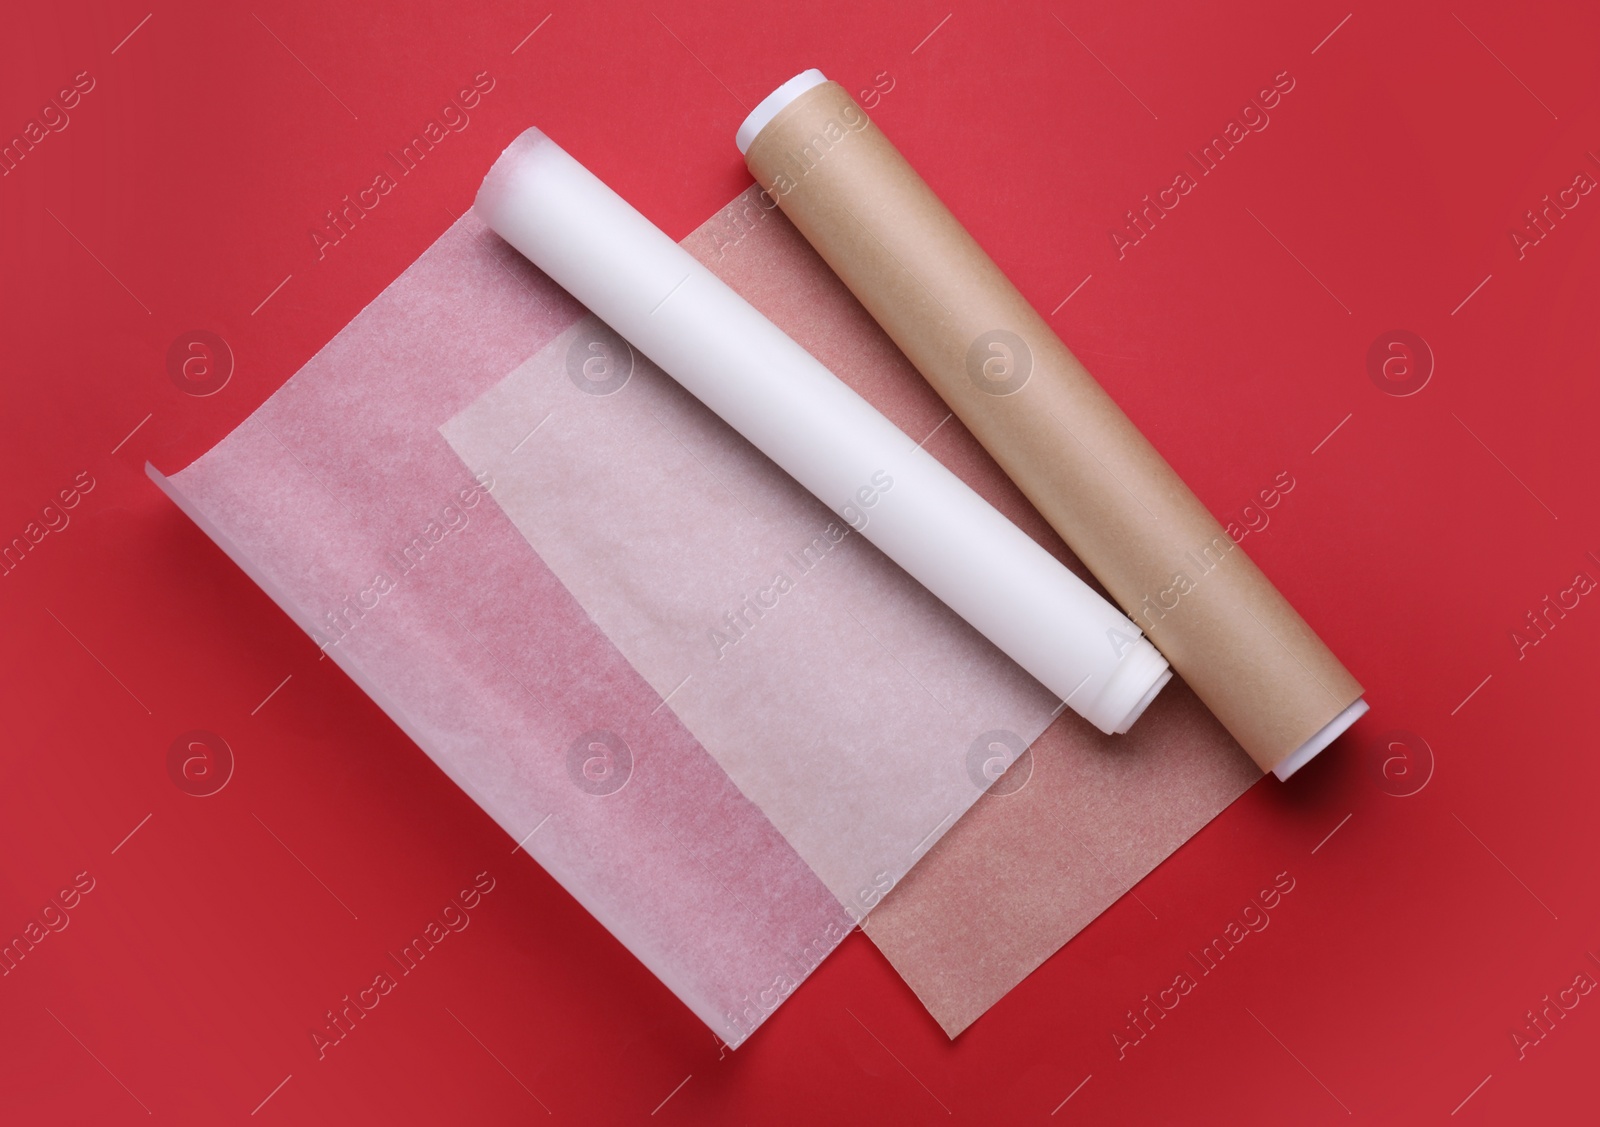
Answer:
(779, 397)
(1061, 438)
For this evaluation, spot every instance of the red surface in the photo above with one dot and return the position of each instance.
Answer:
(1418, 537)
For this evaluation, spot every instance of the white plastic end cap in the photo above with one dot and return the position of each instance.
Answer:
(773, 104)
(1144, 702)
(1329, 732)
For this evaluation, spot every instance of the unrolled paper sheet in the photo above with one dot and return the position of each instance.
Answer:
(538, 679)
(1084, 816)
(835, 694)
(1061, 837)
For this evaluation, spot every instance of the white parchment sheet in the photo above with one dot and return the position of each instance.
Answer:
(536, 607)
(839, 696)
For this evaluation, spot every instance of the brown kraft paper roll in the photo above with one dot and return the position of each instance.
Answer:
(1115, 501)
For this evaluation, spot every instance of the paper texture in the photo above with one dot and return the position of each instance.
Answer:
(343, 500)
(1061, 837)
(1060, 437)
(837, 695)
(1024, 869)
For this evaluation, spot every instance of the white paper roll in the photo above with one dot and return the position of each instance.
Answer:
(833, 442)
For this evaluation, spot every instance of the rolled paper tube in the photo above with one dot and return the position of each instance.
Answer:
(834, 443)
(1084, 465)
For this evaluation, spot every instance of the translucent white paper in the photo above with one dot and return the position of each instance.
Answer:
(829, 688)
(344, 501)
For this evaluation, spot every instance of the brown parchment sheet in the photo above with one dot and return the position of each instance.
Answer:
(1060, 837)
(1080, 817)
(1070, 449)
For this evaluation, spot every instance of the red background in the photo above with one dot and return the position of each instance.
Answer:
(1418, 537)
